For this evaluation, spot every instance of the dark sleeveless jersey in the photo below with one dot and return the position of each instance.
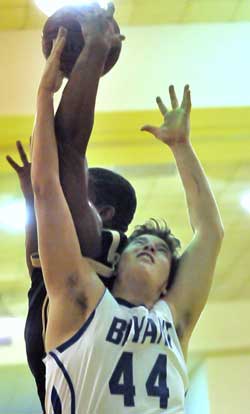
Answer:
(113, 243)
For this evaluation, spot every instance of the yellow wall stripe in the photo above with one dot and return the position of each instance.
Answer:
(218, 133)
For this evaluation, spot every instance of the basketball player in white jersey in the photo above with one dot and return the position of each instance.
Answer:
(125, 352)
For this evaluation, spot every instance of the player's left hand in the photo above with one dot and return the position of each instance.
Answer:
(176, 127)
(52, 76)
(23, 171)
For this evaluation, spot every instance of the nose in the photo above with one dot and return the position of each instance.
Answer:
(149, 247)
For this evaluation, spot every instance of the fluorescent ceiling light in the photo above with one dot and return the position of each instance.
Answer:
(49, 7)
(245, 201)
(12, 215)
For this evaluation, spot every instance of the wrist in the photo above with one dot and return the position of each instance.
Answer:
(95, 39)
(181, 149)
(92, 55)
(44, 92)
(29, 199)
(95, 46)
(180, 146)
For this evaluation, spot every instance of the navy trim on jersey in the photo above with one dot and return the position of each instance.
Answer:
(77, 335)
(81, 331)
(68, 379)
(56, 402)
(124, 302)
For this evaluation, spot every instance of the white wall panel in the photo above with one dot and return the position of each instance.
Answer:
(212, 58)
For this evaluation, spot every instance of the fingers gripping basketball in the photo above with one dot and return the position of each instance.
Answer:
(68, 17)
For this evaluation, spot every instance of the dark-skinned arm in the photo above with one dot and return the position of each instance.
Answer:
(23, 173)
(74, 121)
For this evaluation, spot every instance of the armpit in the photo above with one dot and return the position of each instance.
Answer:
(76, 294)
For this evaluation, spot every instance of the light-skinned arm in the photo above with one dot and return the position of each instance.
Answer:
(188, 295)
(73, 288)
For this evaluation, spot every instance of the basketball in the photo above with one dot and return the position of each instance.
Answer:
(67, 17)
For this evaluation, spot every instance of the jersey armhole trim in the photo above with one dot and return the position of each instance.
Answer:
(35, 260)
(61, 348)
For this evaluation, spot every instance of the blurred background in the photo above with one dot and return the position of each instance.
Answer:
(201, 42)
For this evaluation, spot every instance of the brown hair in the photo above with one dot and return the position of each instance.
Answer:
(159, 228)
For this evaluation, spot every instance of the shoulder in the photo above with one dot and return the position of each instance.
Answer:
(118, 310)
(109, 304)
(164, 309)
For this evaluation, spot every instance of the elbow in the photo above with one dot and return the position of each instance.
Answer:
(212, 232)
(35, 180)
(38, 190)
(221, 232)
(218, 236)
(216, 231)
(43, 186)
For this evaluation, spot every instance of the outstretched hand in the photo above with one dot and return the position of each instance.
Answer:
(23, 171)
(96, 23)
(52, 76)
(176, 126)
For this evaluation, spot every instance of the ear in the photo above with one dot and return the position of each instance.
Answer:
(107, 213)
(164, 290)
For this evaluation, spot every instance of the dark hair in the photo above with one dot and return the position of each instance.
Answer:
(160, 229)
(112, 189)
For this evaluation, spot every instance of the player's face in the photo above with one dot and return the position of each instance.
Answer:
(150, 256)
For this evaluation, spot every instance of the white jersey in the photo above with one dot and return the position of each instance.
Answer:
(125, 359)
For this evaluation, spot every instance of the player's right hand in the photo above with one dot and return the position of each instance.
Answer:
(97, 26)
(52, 76)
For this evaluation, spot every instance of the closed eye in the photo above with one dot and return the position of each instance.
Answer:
(139, 241)
(164, 249)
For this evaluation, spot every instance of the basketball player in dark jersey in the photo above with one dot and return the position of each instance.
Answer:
(73, 125)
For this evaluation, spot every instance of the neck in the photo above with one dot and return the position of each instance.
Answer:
(135, 295)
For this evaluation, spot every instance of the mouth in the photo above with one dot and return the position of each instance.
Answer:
(145, 254)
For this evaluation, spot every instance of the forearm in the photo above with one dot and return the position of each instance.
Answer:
(44, 167)
(74, 122)
(74, 181)
(202, 207)
(31, 244)
(75, 116)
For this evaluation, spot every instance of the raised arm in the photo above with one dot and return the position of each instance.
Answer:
(74, 121)
(75, 115)
(72, 286)
(23, 173)
(191, 287)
